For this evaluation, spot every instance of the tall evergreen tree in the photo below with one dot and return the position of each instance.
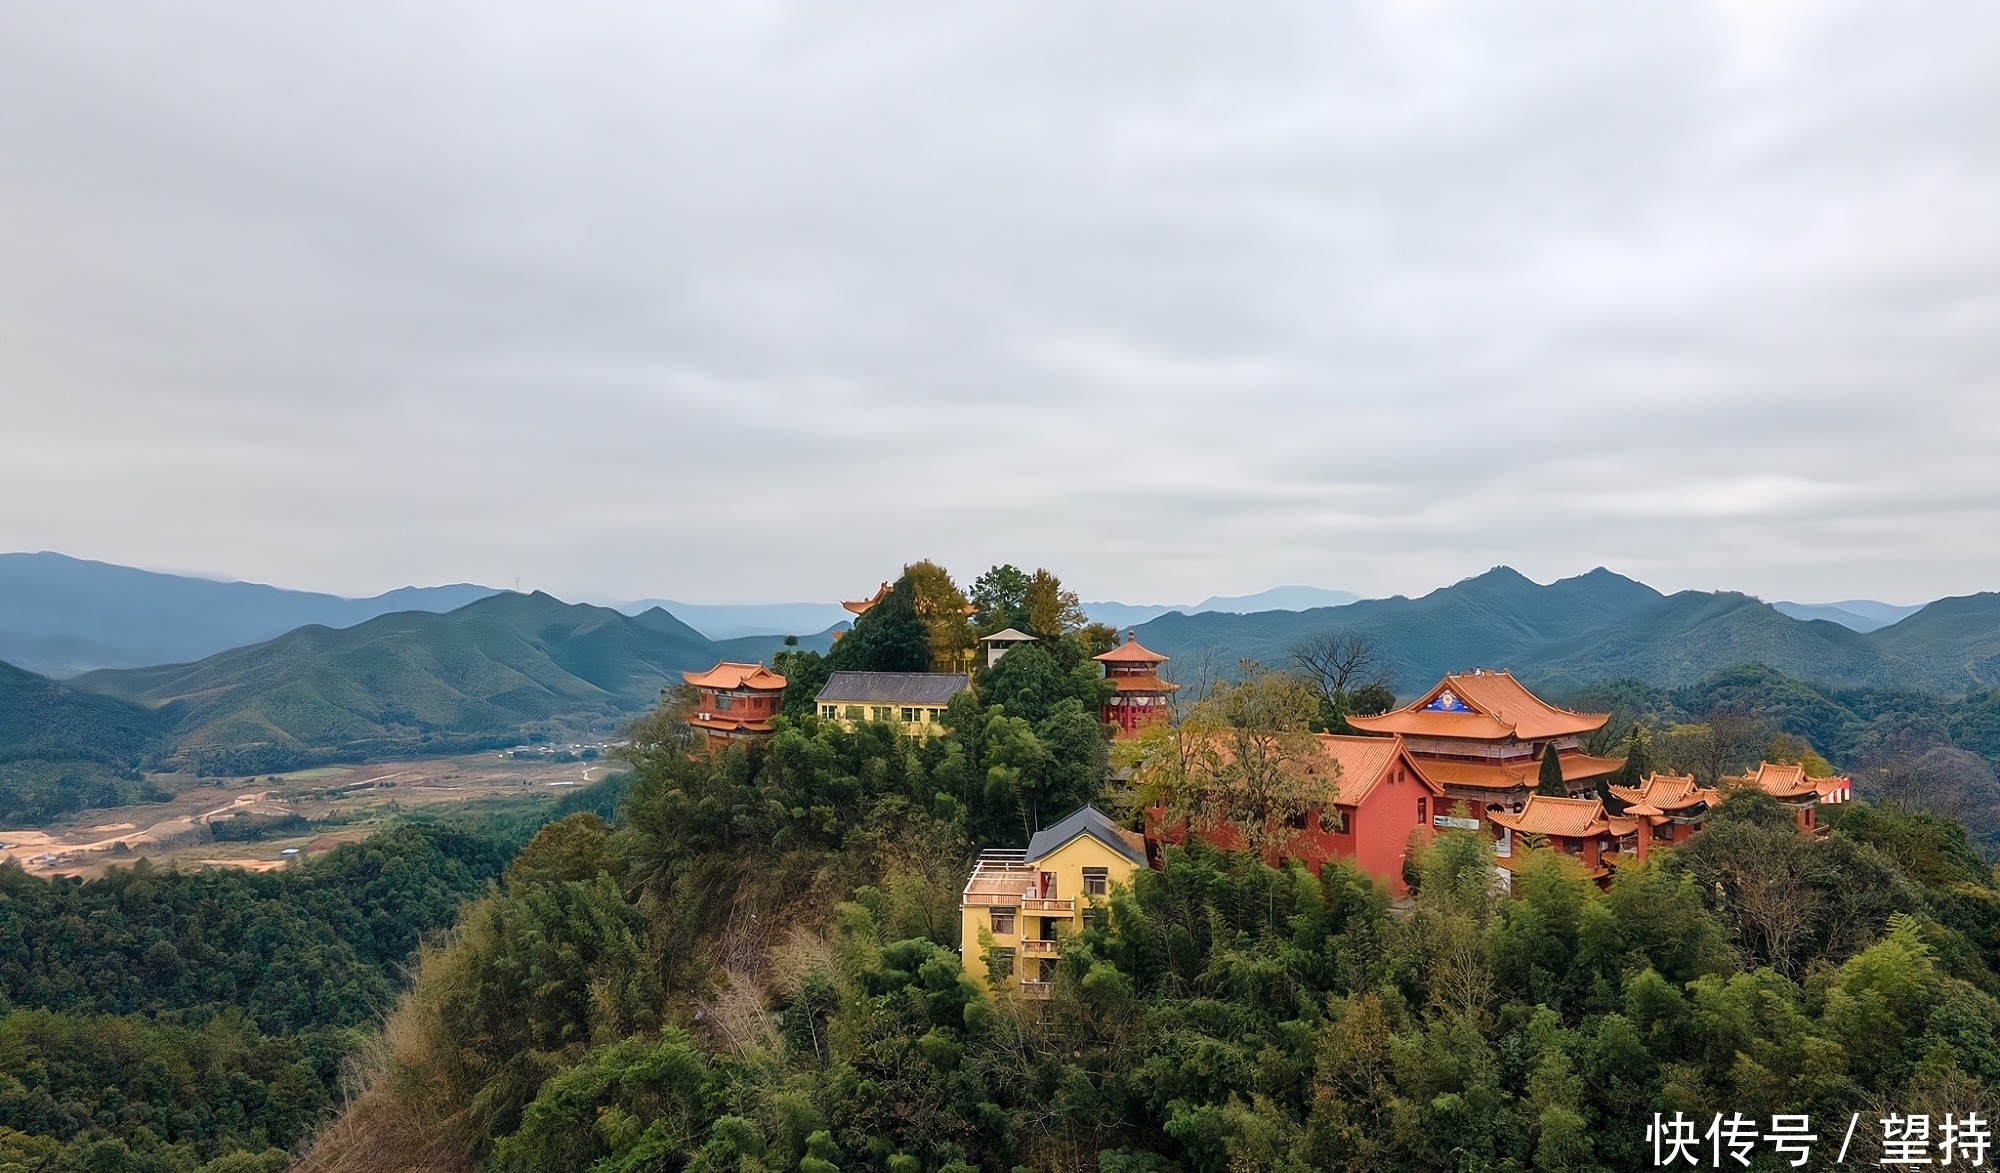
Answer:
(1638, 758)
(1551, 781)
(889, 637)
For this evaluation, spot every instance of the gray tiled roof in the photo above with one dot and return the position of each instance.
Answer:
(1088, 821)
(892, 688)
(1010, 635)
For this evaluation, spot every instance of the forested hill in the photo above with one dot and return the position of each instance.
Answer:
(414, 682)
(1603, 626)
(40, 718)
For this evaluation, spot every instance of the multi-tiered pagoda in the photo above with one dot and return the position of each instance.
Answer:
(1141, 695)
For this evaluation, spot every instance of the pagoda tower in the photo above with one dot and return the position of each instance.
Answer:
(1142, 696)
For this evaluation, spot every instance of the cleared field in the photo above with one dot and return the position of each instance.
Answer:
(284, 817)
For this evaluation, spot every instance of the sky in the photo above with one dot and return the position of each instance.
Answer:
(759, 301)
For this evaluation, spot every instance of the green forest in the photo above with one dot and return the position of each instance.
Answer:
(750, 965)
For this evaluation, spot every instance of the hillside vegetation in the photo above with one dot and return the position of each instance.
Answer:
(157, 1020)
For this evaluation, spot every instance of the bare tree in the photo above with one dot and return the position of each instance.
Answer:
(1337, 664)
(1737, 733)
(1241, 758)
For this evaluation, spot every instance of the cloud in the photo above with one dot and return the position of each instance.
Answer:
(758, 301)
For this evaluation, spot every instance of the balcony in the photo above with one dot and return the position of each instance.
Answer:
(1036, 904)
(1040, 947)
(1037, 990)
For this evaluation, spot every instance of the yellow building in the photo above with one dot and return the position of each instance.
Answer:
(912, 701)
(1018, 905)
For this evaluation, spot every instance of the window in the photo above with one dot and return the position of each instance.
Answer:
(909, 715)
(1423, 811)
(854, 713)
(1096, 881)
(830, 712)
(1003, 920)
(724, 701)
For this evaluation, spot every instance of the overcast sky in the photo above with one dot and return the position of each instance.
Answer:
(757, 302)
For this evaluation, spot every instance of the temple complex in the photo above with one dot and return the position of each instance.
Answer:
(734, 701)
(1141, 695)
(1481, 735)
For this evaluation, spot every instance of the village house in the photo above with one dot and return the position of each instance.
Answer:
(1019, 905)
(1481, 735)
(913, 702)
(734, 702)
(1141, 697)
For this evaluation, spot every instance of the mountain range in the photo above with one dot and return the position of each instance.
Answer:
(1284, 598)
(734, 620)
(60, 616)
(1601, 626)
(1862, 615)
(506, 667)
(502, 669)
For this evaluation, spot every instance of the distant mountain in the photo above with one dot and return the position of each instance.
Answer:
(1862, 615)
(1601, 626)
(1953, 644)
(494, 671)
(1284, 598)
(61, 616)
(723, 621)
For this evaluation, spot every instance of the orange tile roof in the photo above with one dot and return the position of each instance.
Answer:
(1487, 706)
(1665, 792)
(1571, 818)
(1148, 682)
(1130, 652)
(1508, 776)
(1364, 762)
(860, 606)
(1473, 725)
(728, 674)
(1779, 781)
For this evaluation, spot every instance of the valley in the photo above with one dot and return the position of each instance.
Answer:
(265, 822)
